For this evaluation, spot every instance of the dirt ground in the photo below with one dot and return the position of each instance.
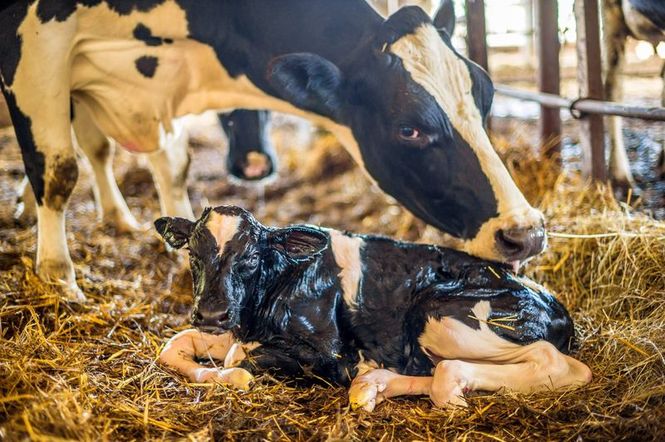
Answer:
(88, 371)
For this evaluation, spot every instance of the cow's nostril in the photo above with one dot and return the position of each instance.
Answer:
(508, 242)
(223, 317)
(520, 243)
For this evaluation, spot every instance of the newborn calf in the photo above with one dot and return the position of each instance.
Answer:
(386, 317)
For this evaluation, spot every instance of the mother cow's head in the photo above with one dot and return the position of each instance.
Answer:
(417, 109)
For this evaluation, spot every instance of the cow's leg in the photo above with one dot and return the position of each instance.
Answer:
(615, 36)
(376, 385)
(99, 150)
(478, 359)
(169, 168)
(182, 350)
(661, 156)
(25, 212)
(38, 98)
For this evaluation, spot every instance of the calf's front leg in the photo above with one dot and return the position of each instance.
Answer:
(373, 387)
(182, 349)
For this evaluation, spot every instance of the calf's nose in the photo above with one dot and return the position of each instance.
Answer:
(210, 319)
(517, 244)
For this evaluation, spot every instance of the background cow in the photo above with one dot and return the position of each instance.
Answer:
(386, 314)
(643, 20)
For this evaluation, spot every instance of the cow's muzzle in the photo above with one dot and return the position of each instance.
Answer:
(517, 244)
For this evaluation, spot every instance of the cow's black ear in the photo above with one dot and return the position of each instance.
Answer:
(445, 17)
(307, 81)
(175, 231)
(299, 243)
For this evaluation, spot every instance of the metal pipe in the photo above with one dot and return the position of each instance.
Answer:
(584, 105)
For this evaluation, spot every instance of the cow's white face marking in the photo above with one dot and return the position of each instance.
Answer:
(444, 75)
(346, 250)
(223, 228)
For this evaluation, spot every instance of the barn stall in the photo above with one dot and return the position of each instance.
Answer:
(89, 371)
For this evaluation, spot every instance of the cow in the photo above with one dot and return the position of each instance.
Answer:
(642, 20)
(406, 105)
(381, 316)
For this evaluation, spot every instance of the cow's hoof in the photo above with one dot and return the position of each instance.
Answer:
(365, 395)
(447, 386)
(61, 274)
(237, 378)
(624, 188)
(367, 390)
(129, 225)
(24, 216)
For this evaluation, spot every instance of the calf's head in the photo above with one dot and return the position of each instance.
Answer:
(416, 109)
(234, 260)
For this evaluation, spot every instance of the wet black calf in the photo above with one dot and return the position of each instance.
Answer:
(324, 303)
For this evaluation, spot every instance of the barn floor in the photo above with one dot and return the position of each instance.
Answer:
(88, 372)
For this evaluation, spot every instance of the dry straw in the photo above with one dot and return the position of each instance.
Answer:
(88, 372)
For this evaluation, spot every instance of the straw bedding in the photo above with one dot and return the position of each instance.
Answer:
(88, 372)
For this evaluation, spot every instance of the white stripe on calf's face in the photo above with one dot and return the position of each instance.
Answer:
(223, 228)
(444, 75)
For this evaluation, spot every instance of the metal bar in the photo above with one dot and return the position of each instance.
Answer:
(476, 32)
(548, 71)
(590, 85)
(584, 105)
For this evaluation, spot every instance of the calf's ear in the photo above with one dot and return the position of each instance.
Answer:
(307, 81)
(175, 231)
(299, 243)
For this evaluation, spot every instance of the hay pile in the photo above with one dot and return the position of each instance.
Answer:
(88, 371)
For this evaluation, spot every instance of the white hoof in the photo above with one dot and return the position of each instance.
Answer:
(237, 378)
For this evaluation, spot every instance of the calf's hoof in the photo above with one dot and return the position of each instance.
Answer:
(365, 395)
(367, 390)
(448, 386)
(237, 378)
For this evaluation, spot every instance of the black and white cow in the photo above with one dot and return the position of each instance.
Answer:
(383, 316)
(404, 103)
(643, 20)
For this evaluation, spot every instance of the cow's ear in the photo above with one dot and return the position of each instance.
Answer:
(299, 243)
(445, 17)
(175, 231)
(307, 81)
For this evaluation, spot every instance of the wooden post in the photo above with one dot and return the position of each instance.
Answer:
(589, 77)
(476, 32)
(548, 71)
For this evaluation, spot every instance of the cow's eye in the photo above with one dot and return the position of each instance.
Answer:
(409, 133)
